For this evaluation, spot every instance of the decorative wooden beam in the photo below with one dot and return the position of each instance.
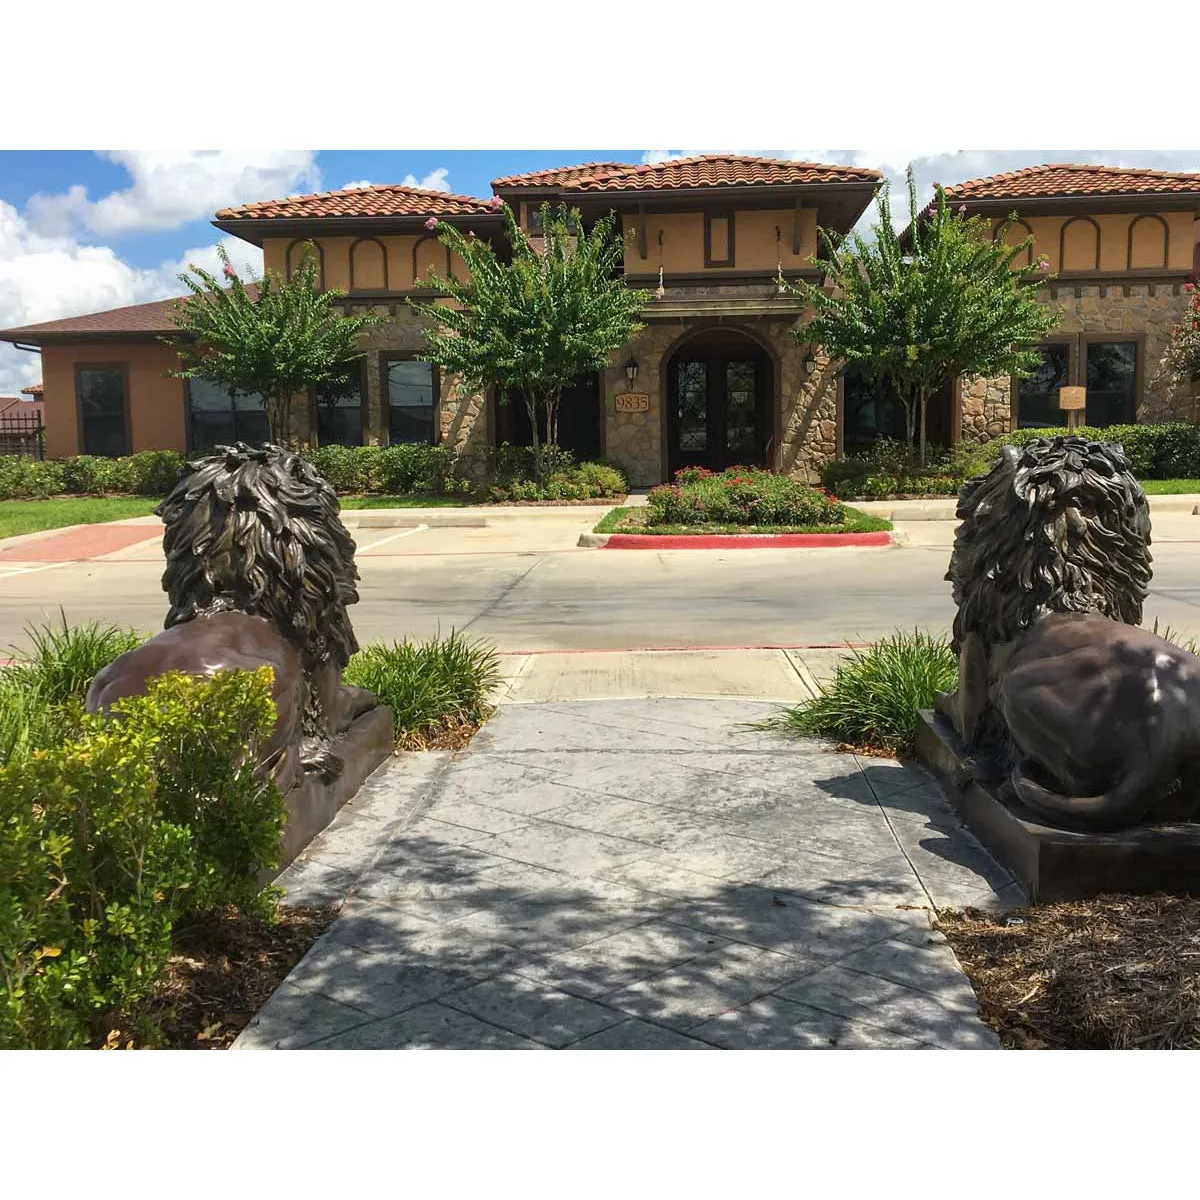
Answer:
(797, 228)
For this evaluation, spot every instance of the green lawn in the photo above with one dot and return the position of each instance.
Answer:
(352, 502)
(28, 516)
(624, 520)
(1170, 487)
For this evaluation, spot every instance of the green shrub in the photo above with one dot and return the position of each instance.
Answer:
(154, 472)
(28, 479)
(111, 837)
(430, 686)
(740, 497)
(875, 695)
(508, 473)
(393, 470)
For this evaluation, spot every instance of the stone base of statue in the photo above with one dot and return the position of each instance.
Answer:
(315, 800)
(1058, 864)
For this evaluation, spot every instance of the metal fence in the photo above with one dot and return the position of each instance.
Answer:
(22, 434)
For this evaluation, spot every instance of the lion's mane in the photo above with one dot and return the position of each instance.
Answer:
(1058, 525)
(256, 530)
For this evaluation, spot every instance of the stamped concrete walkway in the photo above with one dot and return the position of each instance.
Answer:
(636, 874)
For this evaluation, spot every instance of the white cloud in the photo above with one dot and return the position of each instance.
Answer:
(435, 181)
(356, 183)
(45, 277)
(170, 189)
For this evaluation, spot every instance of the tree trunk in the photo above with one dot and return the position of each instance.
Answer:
(923, 400)
(531, 407)
(552, 417)
(279, 418)
(910, 423)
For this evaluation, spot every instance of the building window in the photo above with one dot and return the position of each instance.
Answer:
(870, 411)
(216, 418)
(1111, 382)
(411, 389)
(103, 427)
(718, 240)
(1037, 396)
(1109, 371)
(535, 220)
(339, 410)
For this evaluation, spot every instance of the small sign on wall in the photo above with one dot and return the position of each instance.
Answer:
(633, 402)
(1071, 399)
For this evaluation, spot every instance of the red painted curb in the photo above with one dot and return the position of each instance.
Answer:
(742, 541)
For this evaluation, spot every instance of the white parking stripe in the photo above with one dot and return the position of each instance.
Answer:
(393, 537)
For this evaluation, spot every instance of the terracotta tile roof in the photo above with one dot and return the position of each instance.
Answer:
(721, 170)
(1073, 179)
(34, 389)
(379, 200)
(562, 176)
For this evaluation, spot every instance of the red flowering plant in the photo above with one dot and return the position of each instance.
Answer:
(1181, 362)
(741, 496)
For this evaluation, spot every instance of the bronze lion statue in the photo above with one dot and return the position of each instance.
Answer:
(260, 570)
(1092, 721)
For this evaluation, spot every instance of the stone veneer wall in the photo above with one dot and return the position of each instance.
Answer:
(464, 416)
(1150, 309)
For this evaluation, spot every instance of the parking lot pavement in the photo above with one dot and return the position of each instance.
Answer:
(523, 583)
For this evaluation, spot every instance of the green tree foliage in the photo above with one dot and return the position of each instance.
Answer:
(276, 339)
(950, 303)
(537, 321)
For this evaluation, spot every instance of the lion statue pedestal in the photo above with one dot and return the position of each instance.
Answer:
(260, 571)
(1072, 742)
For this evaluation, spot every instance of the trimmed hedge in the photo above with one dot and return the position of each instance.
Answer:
(496, 473)
(1167, 451)
(148, 473)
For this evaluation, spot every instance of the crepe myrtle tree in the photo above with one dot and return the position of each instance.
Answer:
(274, 339)
(532, 322)
(945, 299)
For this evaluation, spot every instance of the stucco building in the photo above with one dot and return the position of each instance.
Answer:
(717, 376)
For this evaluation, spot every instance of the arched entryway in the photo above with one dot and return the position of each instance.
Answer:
(720, 388)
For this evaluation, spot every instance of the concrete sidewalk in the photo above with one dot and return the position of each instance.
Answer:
(636, 874)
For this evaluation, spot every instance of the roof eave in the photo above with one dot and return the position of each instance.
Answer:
(691, 193)
(255, 229)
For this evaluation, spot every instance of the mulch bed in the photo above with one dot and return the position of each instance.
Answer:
(223, 969)
(451, 736)
(1113, 973)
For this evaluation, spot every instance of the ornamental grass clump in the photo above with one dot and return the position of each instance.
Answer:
(433, 688)
(740, 496)
(873, 700)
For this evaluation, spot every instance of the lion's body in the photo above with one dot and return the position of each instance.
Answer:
(1092, 718)
(260, 571)
(1106, 717)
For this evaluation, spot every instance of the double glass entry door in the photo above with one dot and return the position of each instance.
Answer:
(718, 412)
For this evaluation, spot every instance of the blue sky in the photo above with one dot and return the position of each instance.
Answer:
(84, 231)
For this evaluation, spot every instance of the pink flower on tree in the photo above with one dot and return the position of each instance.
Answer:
(494, 203)
(431, 224)
(230, 273)
(1189, 287)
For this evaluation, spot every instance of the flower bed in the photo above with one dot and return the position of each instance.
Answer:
(739, 498)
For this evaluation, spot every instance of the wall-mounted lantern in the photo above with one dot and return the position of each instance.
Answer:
(810, 363)
(631, 371)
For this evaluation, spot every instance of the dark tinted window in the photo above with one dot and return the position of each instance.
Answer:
(411, 392)
(217, 419)
(1037, 396)
(102, 411)
(339, 411)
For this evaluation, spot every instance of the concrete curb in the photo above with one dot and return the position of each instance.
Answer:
(732, 541)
